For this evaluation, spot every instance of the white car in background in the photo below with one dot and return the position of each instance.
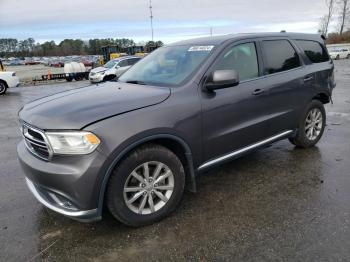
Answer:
(340, 53)
(112, 69)
(8, 80)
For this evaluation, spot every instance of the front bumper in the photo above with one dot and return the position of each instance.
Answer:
(50, 200)
(96, 78)
(69, 185)
(13, 82)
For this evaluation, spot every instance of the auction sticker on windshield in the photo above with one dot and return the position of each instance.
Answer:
(200, 48)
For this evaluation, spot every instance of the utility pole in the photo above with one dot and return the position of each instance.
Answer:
(151, 16)
(211, 31)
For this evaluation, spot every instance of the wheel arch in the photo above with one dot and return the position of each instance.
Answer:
(6, 85)
(323, 97)
(174, 143)
(3, 81)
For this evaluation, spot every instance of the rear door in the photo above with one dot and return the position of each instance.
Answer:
(235, 117)
(319, 65)
(285, 75)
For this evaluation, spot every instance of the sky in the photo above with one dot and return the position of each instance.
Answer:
(173, 19)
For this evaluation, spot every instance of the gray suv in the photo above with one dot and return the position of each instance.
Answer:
(133, 145)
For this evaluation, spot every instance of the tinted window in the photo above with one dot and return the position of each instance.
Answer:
(123, 63)
(241, 58)
(314, 51)
(132, 61)
(279, 55)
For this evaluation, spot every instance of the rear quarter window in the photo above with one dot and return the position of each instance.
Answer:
(314, 51)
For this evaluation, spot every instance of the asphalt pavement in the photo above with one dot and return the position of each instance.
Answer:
(277, 204)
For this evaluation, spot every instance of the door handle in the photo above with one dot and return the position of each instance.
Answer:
(308, 78)
(257, 92)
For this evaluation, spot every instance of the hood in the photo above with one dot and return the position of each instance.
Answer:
(78, 108)
(99, 69)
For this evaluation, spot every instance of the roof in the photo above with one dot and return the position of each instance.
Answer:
(217, 40)
(124, 57)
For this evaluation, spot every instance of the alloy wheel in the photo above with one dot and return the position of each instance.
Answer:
(148, 188)
(2, 88)
(313, 124)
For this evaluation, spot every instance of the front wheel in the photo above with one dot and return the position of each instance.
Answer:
(3, 88)
(146, 186)
(311, 125)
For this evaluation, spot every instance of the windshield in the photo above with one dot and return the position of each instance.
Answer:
(110, 64)
(168, 66)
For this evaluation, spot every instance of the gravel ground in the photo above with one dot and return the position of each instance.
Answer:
(278, 204)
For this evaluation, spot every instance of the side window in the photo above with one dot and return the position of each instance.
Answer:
(314, 51)
(241, 58)
(279, 55)
(133, 61)
(123, 63)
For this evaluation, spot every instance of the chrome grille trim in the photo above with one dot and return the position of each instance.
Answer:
(44, 150)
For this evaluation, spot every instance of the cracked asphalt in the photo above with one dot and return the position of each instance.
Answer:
(277, 204)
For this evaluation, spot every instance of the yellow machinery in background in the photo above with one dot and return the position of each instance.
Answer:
(2, 68)
(110, 52)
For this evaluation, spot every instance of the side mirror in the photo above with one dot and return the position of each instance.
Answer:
(222, 79)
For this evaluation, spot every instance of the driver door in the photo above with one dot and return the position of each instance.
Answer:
(237, 116)
(122, 67)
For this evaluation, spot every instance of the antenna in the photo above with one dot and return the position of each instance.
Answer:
(151, 16)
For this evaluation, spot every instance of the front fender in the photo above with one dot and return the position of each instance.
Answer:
(117, 155)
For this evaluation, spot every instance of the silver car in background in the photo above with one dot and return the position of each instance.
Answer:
(112, 69)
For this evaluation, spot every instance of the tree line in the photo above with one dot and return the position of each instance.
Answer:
(338, 11)
(11, 47)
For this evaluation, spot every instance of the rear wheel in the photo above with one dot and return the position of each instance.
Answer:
(146, 186)
(311, 125)
(3, 88)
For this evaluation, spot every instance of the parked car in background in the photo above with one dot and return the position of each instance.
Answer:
(7, 80)
(339, 53)
(112, 69)
(133, 145)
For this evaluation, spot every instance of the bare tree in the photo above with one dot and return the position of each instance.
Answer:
(322, 27)
(344, 14)
(325, 20)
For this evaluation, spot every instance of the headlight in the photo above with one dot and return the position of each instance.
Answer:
(72, 143)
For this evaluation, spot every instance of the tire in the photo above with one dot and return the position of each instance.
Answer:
(109, 78)
(337, 58)
(3, 87)
(78, 78)
(348, 56)
(69, 79)
(314, 116)
(122, 184)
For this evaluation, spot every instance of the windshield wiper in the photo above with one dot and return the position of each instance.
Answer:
(137, 82)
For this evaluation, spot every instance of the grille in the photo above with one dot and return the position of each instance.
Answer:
(35, 142)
